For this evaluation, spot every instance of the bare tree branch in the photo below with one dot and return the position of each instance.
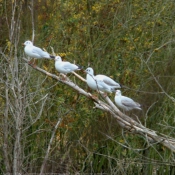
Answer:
(170, 97)
(164, 44)
(49, 146)
(123, 120)
(33, 24)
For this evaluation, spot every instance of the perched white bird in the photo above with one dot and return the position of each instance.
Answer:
(35, 52)
(65, 67)
(100, 82)
(125, 103)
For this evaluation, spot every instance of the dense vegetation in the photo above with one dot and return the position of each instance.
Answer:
(132, 41)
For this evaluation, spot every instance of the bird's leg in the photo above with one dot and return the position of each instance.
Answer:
(92, 95)
(32, 63)
(63, 77)
(104, 94)
(95, 97)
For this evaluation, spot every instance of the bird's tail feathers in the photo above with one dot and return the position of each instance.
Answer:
(113, 89)
(116, 87)
(120, 86)
(139, 108)
(80, 67)
(51, 56)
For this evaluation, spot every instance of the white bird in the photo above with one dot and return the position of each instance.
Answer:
(100, 82)
(125, 103)
(35, 52)
(65, 67)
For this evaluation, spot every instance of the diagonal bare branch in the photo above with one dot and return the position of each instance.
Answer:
(123, 120)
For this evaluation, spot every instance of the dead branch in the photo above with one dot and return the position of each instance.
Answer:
(49, 146)
(123, 120)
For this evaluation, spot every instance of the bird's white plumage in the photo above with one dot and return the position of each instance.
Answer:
(100, 82)
(35, 52)
(125, 103)
(64, 67)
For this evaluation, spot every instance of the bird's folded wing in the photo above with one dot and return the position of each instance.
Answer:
(110, 82)
(128, 103)
(37, 50)
(68, 65)
(102, 84)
